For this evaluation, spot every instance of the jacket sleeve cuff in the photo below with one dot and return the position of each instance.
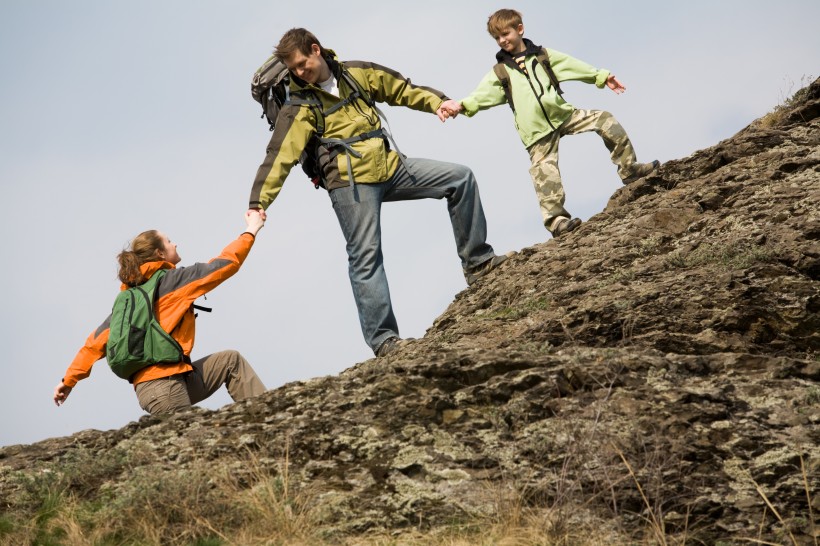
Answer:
(601, 77)
(469, 106)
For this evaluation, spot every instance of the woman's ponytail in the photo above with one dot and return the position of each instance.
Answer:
(144, 248)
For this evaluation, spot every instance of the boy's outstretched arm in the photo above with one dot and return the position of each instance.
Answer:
(613, 83)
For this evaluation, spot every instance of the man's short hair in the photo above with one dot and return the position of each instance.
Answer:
(296, 39)
(502, 20)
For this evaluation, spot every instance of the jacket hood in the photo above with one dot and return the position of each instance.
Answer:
(507, 58)
(149, 268)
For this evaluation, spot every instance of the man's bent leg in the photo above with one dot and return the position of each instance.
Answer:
(457, 183)
(358, 209)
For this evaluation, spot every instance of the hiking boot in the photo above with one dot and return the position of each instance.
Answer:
(565, 225)
(641, 170)
(474, 273)
(390, 344)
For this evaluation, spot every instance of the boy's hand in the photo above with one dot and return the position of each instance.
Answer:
(448, 109)
(613, 83)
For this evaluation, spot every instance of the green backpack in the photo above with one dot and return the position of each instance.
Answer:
(135, 338)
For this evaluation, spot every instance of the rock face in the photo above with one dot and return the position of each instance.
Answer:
(660, 364)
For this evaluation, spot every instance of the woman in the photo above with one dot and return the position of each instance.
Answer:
(168, 387)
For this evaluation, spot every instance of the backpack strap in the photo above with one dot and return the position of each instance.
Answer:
(504, 77)
(544, 59)
(339, 145)
(343, 145)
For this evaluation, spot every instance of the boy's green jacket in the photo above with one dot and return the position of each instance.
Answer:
(528, 91)
(296, 124)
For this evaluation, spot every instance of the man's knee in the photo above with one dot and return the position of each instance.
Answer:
(463, 181)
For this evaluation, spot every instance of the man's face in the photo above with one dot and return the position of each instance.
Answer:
(511, 39)
(308, 67)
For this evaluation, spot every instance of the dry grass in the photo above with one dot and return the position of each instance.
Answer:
(254, 501)
(788, 99)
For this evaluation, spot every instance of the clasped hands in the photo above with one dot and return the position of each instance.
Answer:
(448, 109)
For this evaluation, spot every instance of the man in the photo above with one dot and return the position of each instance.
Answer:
(336, 120)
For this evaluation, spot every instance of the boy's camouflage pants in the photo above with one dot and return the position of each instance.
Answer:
(546, 177)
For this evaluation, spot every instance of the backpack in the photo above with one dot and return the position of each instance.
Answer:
(503, 76)
(135, 338)
(270, 87)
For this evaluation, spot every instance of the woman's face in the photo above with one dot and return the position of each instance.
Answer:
(169, 250)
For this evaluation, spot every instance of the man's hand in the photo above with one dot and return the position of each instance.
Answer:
(613, 83)
(448, 109)
(261, 212)
(255, 220)
(61, 392)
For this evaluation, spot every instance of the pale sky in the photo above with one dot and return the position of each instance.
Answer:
(117, 117)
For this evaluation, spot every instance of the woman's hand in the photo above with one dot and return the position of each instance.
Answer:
(61, 392)
(255, 220)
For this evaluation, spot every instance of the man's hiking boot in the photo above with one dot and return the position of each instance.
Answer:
(390, 344)
(641, 170)
(474, 273)
(565, 225)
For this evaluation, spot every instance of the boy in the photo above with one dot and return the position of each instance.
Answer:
(542, 116)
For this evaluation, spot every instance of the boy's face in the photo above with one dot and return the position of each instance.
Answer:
(511, 39)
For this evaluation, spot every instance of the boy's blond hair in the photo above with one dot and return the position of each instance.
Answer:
(502, 20)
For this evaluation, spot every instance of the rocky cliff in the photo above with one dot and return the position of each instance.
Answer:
(654, 373)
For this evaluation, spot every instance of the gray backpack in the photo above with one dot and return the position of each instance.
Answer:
(270, 87)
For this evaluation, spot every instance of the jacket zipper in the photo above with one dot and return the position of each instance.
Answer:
(129, 304)
(537, 98)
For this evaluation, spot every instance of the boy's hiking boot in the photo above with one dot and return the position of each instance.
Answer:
(565, 225)
(641, 170)
(474, 273)
(390, 344)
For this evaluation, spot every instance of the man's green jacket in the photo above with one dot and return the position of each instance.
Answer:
(296, 124)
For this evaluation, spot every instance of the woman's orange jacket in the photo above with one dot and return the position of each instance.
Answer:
(177, 292)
